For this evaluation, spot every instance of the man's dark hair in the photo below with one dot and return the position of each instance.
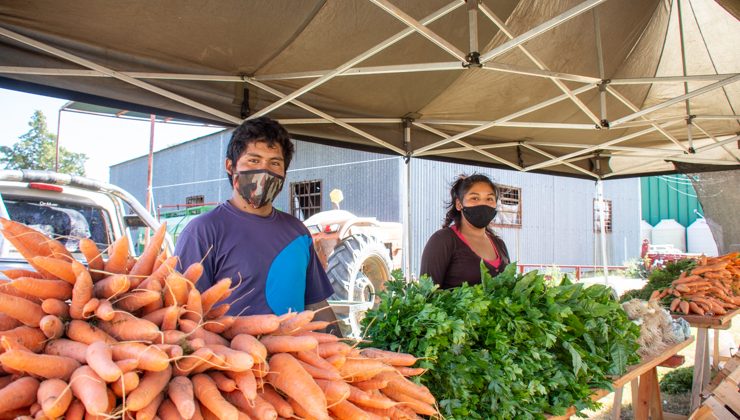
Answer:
(259, 129)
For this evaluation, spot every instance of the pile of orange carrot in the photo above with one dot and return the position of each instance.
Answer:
(712, 287)
(125, 337)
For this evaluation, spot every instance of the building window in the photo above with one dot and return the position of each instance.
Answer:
(194, 200)
(607, 216)
(509, 207)
(305, 198)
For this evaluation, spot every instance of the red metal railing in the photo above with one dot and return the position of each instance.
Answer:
(576, 269)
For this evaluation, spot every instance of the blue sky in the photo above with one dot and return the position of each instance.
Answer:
(105, 140)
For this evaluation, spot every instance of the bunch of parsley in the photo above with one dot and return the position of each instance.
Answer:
(510, 347)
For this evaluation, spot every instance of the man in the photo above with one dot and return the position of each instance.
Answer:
(268, 254)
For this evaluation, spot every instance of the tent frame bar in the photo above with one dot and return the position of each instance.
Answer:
(672, 79)
(112, 73)
(358, 59)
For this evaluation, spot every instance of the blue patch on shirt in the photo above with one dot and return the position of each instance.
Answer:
(285, 288)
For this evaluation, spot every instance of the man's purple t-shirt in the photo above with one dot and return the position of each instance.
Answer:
(270, 260)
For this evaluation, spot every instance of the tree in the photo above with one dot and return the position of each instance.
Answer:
(36, 150)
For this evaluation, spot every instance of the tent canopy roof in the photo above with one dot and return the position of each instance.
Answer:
(595, 88)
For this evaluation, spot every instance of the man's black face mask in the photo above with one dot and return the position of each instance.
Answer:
(259, 186)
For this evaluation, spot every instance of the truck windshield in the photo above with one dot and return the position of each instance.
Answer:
(66, 222)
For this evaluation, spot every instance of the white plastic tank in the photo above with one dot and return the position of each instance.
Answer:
(646, 231)
(699, 239)
(670, 232)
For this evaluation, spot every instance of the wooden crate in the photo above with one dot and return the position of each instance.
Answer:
(724, 401)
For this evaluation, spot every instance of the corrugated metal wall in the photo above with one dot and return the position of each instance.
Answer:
(669, 197)
(367, 180)
(557, 212)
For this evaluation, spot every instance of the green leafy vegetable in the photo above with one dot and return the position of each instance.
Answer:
(510, 347)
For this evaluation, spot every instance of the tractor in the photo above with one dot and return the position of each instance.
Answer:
(358, 254)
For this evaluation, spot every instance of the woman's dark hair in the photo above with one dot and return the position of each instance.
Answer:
(458, 189)
(256, 130)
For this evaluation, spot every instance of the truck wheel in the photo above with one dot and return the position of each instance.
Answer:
(358, 269)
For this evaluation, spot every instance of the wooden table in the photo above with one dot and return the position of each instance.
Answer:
(645, 389)
(701, 357)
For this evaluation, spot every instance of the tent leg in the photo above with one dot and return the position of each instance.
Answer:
(602, 224)
(406, 206)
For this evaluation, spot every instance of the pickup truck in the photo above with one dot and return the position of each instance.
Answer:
(69, 208)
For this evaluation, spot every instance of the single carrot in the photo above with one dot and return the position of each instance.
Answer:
(398, 383)
(214, 294)
(15, 273)
(355, 370)
(160, 272)
(320, 337)
(8, 289)
(219, 325)
(150, 358)
(251, 345)
(313, 358)
(21, 309)
(105, 310)
(209, 396)
(236, 360)
(419, 407)
(253, 325)
(76, 411)
(8, 322)
(139, 298)
(28, 242)
(330, 349)
(170, 317)
(52, 326)
(408, 371)
(149, 412)
(43, 365)
(43, 288)
(118, 254)
(313, 326)
(180, 392)
(258, 408)
(369, 399)
(88, 310)
(295, 323)
(282, 407)
(287, 343)
(175, 289)
(335, 390)
(371, 384)
(223, 382)
(151, 384)
(218, 311)
(60, 269)
(288, 376)
(127, 327)
(193, 272)
(345, 410)
(389, 357)
(188, 363)
(55, 307)
(18, 394)
(337, 360)
(100, 358)
(94, 258)
(125, 384)
(111, 286)
(168, 411)
(197, 331)
(319, 373)
(245, 382)
(194, 307)
(82, 291)
(145, 264)
(83, 332)
(67, 348)
(55, 396)
(90, 389)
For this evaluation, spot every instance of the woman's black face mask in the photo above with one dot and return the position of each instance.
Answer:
(479, 216)
(259, 186)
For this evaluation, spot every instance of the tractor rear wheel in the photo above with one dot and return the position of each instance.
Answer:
(358, 269)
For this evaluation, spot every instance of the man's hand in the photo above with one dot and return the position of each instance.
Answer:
(326, 313)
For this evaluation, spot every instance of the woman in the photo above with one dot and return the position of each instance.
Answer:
(453, 254)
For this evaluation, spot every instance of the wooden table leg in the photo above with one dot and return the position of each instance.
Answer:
(699, 366)
(641, 405)
(617, 407)
(656, 405)
(715, 349)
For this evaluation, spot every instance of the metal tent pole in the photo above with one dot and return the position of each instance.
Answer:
(685, 84)
(56, 140)
(602, 233)
(150, 164)
(406, 206)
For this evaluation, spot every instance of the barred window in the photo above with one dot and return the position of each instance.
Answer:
(305, 198)
(194, 200)
(607, 216)
(509, 207)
